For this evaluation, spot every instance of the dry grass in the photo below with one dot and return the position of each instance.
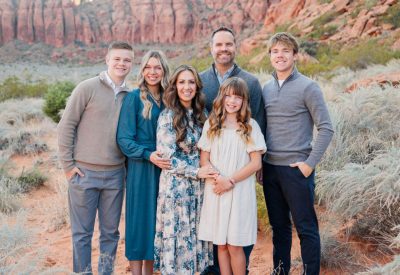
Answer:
(22, 126)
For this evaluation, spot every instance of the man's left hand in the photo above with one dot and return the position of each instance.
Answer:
(305, 169)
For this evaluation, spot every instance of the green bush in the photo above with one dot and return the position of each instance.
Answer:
(30, 180)
(393, 16)
(13, 87)
(56, 99)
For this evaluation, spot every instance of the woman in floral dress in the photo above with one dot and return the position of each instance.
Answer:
(177, 248)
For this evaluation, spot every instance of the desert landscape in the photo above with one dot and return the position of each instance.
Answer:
(352, 48)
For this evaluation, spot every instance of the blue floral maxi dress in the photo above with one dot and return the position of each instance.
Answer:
(136, 138)
(177, 248)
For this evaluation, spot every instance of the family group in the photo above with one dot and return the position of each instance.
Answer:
(187, 148)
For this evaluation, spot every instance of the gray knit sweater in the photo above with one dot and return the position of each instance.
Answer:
(292, 110)
(211, 88)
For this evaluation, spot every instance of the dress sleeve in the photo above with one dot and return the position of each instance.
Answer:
(166, 144)
(258, 141)
(127, 130)
(204, 142)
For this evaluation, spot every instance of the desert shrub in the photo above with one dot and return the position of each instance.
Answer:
(262, 210)
(360, 56)
(335, 254)
(22, 123)
(310, 47)
(22, 143)
(60, 211)
(325, 18)
(366, 122)
(392, 16)
(14, 240)
(30, 180)
(390, 268)
(368, 193)
(13, 87)
(343, 77)
(323, 31)
(9, 200)
(56, 99)
(201, 63)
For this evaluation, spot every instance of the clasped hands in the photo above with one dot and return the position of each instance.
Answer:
(221, 184)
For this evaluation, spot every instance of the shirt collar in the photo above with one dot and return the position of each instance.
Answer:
(224, 77)
(115, 87)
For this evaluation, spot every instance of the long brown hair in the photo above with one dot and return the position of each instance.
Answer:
(232, 86)
(144, 90)
(172, 102)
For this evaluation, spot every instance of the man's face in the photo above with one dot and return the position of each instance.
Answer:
(223, 48)
(282, 58)
(119, 63)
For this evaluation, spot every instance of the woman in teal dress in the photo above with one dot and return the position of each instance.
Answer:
(177, 248)
(136, 138)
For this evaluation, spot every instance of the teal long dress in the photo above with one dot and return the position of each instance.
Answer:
(136, 138)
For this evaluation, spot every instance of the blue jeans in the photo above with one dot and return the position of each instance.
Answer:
(102, 192)
(289, 194)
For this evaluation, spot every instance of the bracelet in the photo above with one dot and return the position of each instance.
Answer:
(232, 181)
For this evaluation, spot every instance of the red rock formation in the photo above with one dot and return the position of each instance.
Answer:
(7, 20)
(381, 80)
(60, 22)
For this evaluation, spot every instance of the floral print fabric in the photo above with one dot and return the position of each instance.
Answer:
(177, 248)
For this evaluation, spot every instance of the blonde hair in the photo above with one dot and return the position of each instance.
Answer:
(232, 86)
(286, 39)
(144, 91)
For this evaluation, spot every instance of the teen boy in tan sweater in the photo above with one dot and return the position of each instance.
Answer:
(92, 161)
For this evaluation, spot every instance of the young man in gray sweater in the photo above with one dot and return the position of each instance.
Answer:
(223, 50)
(294, 104)
(92, 161)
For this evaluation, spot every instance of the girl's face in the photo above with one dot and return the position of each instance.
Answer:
(186, 88)
(233, 103)
(153, 72)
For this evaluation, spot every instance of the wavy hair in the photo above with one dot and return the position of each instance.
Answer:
(171, 100)
(232, 86)
(144, 90)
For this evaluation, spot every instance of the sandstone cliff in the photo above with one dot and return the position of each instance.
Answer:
(63, 22)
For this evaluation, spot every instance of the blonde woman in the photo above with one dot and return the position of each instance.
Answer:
(136, 137)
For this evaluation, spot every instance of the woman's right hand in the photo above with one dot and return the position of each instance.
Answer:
(157, 159)
(207, 172)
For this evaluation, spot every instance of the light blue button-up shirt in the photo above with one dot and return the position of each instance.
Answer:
(224, 77)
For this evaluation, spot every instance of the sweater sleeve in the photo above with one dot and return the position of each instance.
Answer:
(259, 113)
(127, 130)
(68, 124)
(315, 103)
(166, 144)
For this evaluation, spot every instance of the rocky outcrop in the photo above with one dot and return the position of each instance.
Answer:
(64, 22)
(381, 80)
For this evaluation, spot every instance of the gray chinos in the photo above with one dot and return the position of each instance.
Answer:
(101, 191)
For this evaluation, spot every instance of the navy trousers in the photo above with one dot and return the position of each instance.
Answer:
(289, 194)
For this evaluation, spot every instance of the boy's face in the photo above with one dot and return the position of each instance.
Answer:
(119, 63)
(282, 58)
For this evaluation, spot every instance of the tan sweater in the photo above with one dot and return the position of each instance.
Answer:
(87, 129)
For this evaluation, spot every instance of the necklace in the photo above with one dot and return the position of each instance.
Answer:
(158, 101)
